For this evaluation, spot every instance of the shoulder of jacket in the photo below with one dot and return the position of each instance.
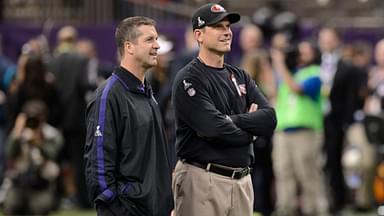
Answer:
(234, 69)
(237, 71)
(109, 86)
(192, 71)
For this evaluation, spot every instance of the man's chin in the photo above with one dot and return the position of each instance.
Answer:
(226, 50)
(151, 64)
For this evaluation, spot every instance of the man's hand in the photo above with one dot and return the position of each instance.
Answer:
(252, 108)
(19, 125)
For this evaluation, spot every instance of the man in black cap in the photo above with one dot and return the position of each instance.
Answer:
(219, 113)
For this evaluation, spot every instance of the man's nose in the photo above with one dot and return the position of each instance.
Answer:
(156, 45)
(228, 31)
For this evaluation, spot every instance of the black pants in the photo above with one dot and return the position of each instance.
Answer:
(333, 143)
(74, 152)
(262, 176)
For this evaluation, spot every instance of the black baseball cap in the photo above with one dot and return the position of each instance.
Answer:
(210, 14)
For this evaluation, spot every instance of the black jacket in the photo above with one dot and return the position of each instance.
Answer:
(71, 82)
(344, 95)
(211, 109)
(126, 152)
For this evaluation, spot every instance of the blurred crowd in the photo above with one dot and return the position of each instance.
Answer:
(43, 101)
(323, 156)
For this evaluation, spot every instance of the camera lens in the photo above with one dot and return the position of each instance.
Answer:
(32, 122)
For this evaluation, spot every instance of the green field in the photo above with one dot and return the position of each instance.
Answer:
(93, 213)
(74, 213)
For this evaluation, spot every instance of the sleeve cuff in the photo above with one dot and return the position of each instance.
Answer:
(106, 196)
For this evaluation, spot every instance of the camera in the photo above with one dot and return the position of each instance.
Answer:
(35, 111)
(291, 57)
(32, 122)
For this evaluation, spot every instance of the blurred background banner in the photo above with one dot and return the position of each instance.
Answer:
(96, 19)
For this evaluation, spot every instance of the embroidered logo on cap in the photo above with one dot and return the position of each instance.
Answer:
(217, 8)
(200, 22)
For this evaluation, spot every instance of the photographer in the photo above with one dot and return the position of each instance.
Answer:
(298, 136)
(32, 149)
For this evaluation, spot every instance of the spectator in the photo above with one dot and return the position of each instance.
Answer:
(34, 82)
(7, 72)
(341, 92)
(279, 41)
(257, 64)
(375, 101)
(297, 140)
(250, 40)
(356, 138)
(70, 70)
(87, 49)
(32, 150)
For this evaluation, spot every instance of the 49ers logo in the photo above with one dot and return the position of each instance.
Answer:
(217, 8)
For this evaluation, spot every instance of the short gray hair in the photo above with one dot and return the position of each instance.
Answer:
(127, 30)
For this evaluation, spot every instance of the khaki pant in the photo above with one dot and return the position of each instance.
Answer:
(364, 166)
(296, 163)
(197, 192)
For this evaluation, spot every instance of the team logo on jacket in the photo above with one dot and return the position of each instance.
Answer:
(98, 132)
(186, 84)
(191, 92)
(188, 88)
(242, 89)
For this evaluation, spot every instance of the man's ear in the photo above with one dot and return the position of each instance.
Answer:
(128, 47)
(198, 33)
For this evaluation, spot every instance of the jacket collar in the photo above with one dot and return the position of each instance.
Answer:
(132, 83)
